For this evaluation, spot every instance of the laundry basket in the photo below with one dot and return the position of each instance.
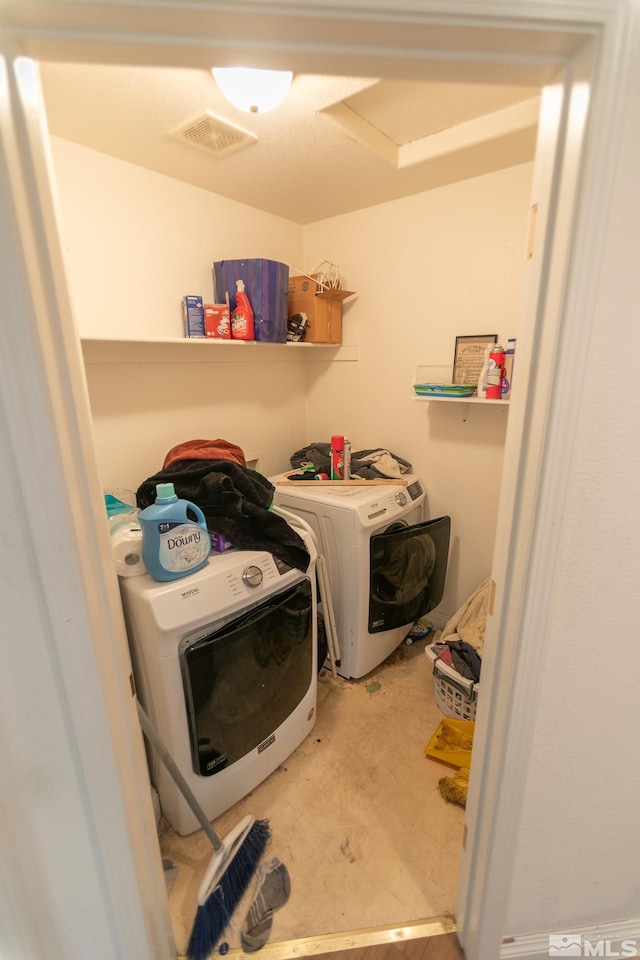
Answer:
(455, 695)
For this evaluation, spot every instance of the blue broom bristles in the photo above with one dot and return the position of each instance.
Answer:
(213, 916)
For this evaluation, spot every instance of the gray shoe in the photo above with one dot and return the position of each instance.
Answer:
(272, 892)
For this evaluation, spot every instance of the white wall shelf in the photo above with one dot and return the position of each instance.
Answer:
(440, 374)
(474, 400)
(196, 350)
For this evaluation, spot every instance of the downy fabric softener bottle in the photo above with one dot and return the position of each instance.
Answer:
(175, 539)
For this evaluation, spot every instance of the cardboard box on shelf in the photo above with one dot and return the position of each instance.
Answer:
(322, 306)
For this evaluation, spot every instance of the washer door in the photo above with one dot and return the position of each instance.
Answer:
(243, 681)
(407, 573)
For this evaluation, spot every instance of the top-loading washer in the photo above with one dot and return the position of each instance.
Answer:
(225, 664)
(386, 564)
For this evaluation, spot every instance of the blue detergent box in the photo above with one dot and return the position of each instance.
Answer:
(266, 283)
(193, 316)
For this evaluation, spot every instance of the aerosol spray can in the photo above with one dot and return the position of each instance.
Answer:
(347, 459)
(337, 457)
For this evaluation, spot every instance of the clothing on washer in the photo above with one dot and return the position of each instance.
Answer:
(235, 501)
(205, 450)
(386, 463)
(365, 464)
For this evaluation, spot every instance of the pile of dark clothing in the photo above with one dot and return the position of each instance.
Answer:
(461, 656)
(373, 464)
(234, 499)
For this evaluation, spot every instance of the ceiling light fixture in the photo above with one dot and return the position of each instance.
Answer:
(254, 91)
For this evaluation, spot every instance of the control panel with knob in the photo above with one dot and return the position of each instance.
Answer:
(252, 576)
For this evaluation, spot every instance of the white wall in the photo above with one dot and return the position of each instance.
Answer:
(425, 268)
(134, 243)
(446, 262)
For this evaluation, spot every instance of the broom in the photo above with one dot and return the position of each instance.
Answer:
(232, 866)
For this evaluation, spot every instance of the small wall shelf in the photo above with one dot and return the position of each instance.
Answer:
(196, 350)
(440, 374)
(473, 400)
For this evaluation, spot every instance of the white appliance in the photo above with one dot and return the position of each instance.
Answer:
(386, 565)
(225, 664)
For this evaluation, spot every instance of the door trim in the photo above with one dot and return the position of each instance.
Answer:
(538, 36)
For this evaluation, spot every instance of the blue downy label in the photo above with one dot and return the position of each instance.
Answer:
(182, 546)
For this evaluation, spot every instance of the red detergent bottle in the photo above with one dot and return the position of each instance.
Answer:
(495, 373)
(242, 320)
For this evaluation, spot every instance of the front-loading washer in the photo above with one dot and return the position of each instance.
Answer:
(225, 664)
(386, 564)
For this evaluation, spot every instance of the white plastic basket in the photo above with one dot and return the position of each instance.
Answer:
(455, 695)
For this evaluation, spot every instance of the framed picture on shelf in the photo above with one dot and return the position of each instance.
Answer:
(469, 356)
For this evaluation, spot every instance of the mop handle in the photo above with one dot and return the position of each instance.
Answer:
(154, 739)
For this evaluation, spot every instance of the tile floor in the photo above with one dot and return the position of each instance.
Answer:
(355, 814)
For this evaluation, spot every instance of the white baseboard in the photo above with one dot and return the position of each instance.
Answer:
(604, 940)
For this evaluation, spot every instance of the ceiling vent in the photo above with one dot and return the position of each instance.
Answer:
(214, 135)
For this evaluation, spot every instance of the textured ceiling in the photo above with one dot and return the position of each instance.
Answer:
(335, 145)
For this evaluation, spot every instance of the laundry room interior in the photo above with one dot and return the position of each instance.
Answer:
(355, 809)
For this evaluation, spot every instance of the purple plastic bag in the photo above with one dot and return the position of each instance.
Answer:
(266, 284)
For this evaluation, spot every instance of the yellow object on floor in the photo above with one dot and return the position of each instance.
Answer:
(454, 789)
(452, 742)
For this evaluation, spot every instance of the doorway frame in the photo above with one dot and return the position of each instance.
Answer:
(583, 45)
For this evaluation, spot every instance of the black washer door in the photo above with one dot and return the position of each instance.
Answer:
(407, 573)
(242, 682)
